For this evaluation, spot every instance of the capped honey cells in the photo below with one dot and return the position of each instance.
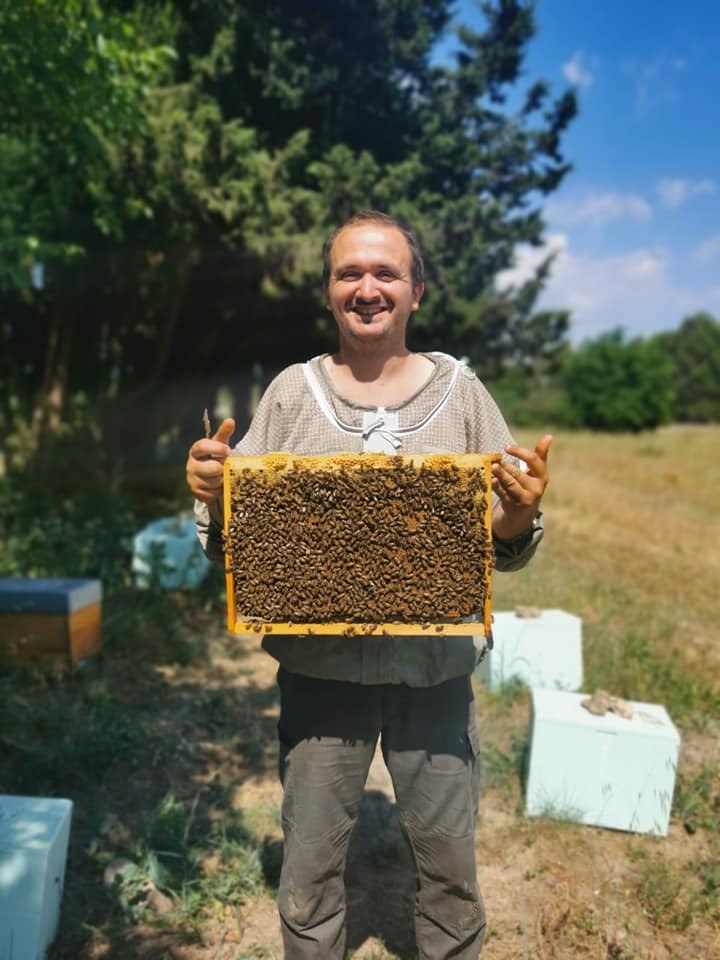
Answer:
(358, 539)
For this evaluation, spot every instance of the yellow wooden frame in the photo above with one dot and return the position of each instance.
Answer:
(279, 462)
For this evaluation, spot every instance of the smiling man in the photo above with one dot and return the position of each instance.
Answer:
(339, 695)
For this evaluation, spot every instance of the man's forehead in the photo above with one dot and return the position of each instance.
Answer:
(370, 241)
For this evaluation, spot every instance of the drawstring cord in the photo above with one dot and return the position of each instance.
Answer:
(378, 426)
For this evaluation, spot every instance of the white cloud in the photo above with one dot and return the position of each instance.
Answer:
(656, 80)
(575, 72)
(599, 208)
(527, 260)
(673, 192)
(633, 290)
(708, 250)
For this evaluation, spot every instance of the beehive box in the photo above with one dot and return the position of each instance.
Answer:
(49, 619)
(542, 649)
(366, 543)
(34, 835)
(168, 551)
(606, 771)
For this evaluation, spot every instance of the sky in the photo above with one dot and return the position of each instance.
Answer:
(636, 225)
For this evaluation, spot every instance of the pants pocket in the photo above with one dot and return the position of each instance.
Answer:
(324, 782)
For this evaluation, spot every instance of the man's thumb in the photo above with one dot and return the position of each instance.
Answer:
(225, 431)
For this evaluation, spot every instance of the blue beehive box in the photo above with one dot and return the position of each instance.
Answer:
(169, 550)
(607, 771)
(49, 618)
(542, 649)
(34, 836)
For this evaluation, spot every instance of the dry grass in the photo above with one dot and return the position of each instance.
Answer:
(633, 541)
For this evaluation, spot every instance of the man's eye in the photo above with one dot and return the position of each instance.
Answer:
(386, 275)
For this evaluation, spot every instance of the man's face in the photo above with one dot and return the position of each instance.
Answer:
(370, 290)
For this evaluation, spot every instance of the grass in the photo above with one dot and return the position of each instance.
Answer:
(629, 549)
(167, 745)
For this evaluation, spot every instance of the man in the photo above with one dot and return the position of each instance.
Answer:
(338, 695)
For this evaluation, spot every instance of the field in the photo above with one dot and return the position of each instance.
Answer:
(168, 749)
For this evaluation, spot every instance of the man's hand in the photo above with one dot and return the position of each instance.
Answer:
(520, 492)
(204, 468)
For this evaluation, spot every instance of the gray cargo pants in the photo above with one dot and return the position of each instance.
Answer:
(328, 730)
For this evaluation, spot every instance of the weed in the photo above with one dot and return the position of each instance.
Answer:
(674, 898)
(511, 691)
(627, 665)
(72, 740)
(499, 767)
(697, 802)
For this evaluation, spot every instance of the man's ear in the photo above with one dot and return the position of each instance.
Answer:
(418, 292)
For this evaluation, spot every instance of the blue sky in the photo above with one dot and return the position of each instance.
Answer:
(636, 225)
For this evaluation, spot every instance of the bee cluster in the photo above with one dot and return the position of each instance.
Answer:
(361, 544)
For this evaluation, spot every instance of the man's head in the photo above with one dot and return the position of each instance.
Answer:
(363, 217)
(372, 274)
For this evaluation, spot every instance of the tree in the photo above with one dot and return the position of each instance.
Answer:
(615, 385)
(201, 187)
(73, 89)
(694, 351)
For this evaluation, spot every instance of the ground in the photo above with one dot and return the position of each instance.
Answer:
(553, 890)
(168, 749)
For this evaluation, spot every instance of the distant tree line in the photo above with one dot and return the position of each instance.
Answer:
(614, 384)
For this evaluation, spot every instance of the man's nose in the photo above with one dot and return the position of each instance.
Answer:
(367, 288)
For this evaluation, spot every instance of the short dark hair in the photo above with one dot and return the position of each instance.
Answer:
(417, 268)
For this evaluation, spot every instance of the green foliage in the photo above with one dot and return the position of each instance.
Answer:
(697, 801)
(73, 742)
(616, 385)
(694, 351)
(73, 82)
(672, 900)
(631, 668)
(79, 534)
(498, 766)
(168, 857)
(203, 154)
(529, 401)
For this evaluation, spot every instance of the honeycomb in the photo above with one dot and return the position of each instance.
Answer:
(360, 543)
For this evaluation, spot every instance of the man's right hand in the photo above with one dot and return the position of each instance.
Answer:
(204, 468)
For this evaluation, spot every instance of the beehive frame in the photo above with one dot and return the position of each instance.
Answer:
(279, 468)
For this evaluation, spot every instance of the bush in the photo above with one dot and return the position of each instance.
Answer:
(70, 535)
(616, 385)
(527, 401)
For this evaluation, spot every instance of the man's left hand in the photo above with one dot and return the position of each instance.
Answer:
(520, 491)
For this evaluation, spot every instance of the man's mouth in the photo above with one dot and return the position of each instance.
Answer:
(367, 314)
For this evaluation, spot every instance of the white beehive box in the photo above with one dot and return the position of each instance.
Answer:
(541, 651)
(169, 549)
(606, 771)
(34, 835)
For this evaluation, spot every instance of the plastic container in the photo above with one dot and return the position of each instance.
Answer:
(607, 770)
(541, 651)
(168, 549)
(34, 836)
